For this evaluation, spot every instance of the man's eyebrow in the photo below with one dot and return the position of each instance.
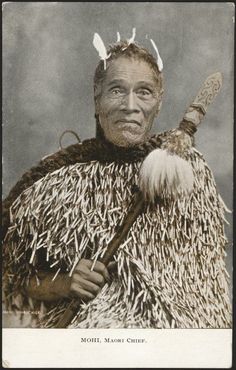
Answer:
(120, 81)
(148, 83)
(116, 81)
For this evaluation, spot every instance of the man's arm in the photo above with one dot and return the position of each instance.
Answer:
(48, 290)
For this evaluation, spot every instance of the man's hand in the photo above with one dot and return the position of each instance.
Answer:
(86, 283)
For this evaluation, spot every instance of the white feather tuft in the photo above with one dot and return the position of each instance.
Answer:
(165, 175)
(159, 60)
(100, 47)
(132, 37)
(118, 37)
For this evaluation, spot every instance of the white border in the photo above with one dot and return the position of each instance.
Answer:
(197, 348)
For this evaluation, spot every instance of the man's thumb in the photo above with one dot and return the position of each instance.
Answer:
(111, 267)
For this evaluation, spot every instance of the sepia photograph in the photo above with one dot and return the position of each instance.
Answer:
(117, 206)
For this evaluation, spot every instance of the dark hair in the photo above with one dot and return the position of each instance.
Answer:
(123, 49)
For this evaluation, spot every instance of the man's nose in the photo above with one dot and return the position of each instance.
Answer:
(130, 102)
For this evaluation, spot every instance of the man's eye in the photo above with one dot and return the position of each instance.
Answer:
(116, 91)
(144, 92)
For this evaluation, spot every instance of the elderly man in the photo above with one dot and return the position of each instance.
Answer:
(168, 273)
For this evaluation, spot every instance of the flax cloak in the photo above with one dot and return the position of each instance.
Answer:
(171, 268)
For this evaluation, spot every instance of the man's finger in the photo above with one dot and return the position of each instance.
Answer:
(92, 276)
(87, 285)
(83, 294)
(101, 268)
(97, 278)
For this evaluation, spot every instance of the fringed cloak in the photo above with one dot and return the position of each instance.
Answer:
(170, 269)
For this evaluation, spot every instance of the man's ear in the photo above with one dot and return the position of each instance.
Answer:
(96, 106)
(160, 102)
(97, 93)
(158, 108)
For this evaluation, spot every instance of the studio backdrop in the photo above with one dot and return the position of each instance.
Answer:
(49, 62)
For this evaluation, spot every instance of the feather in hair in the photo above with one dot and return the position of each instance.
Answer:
(118, 37)
(100, 47)
(159, 60)
(132, 37)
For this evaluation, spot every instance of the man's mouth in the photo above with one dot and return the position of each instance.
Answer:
(128, 121)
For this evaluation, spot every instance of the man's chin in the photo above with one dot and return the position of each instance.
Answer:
(126, 139)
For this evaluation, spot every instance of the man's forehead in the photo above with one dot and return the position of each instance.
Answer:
(129, 69)
(142, 79)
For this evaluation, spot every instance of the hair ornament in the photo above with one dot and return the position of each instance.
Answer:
(131, 40)
(101, 48)
(159, 61)
(118, 36)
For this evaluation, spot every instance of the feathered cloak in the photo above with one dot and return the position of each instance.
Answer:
(170, 269)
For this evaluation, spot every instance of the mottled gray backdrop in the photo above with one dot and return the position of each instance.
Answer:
(49, 60)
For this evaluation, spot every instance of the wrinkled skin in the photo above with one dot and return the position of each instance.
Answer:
(129, 101)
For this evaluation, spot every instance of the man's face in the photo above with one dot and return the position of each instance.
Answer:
(129, 101)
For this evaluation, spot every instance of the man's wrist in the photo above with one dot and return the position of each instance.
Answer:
(63, 284)
(50, 289)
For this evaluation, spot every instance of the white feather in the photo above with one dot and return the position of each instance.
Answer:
(132, 37)
(164, 174)
(159, 60)
(100, 47)
(118, 37)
